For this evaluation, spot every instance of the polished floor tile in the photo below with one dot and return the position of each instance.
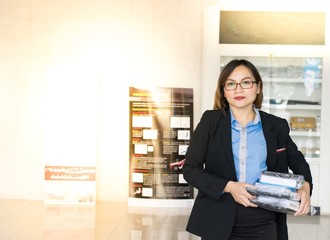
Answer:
(32, 220)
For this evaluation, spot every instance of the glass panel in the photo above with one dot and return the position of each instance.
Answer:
(292, 90)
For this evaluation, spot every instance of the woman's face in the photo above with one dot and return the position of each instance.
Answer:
(239, 97)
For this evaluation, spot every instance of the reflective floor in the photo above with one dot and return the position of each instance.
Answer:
(32, 220)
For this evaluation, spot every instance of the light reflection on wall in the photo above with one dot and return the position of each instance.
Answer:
(86, 87)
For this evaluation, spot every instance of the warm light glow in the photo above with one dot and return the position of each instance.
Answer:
(70, 129)
(279, 5)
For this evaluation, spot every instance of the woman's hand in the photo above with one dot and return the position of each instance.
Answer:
(305, 200)
(239, 193)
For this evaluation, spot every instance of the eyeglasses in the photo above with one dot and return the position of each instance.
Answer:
(230, 86)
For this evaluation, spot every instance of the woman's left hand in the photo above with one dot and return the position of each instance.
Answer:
(305, 201)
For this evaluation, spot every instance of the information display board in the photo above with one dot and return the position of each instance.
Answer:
(161, 125)
(69, 185)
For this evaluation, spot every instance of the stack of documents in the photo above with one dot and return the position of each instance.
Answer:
(288, 180)
(278, 192)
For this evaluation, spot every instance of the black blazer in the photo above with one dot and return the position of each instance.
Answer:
(209, 165)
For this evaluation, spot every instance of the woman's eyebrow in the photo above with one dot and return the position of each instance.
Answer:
(229, 79)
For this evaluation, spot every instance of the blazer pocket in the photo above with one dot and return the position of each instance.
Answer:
(279, 150)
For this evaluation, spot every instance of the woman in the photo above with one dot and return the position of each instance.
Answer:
(230, 147)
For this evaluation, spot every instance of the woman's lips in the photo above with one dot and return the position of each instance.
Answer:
(239, 98)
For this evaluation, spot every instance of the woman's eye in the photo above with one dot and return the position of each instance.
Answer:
(246, 83)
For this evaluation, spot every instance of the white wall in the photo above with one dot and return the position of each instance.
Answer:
(65, 71)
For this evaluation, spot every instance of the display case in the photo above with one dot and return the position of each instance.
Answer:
(292, 90)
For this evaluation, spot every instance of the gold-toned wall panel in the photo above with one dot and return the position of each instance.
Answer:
(299, 28)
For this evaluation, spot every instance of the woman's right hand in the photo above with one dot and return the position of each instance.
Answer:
(239, 193)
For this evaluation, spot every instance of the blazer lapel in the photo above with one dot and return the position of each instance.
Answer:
(225, 131)
(271, 140)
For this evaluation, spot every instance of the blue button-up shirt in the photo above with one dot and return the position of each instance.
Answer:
(249, 149)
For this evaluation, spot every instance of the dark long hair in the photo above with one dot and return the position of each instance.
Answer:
(220, 102)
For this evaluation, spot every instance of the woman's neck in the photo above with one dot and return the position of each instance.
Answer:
(244, 116)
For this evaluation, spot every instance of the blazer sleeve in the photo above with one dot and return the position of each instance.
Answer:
(197, 153)
(296, 160)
